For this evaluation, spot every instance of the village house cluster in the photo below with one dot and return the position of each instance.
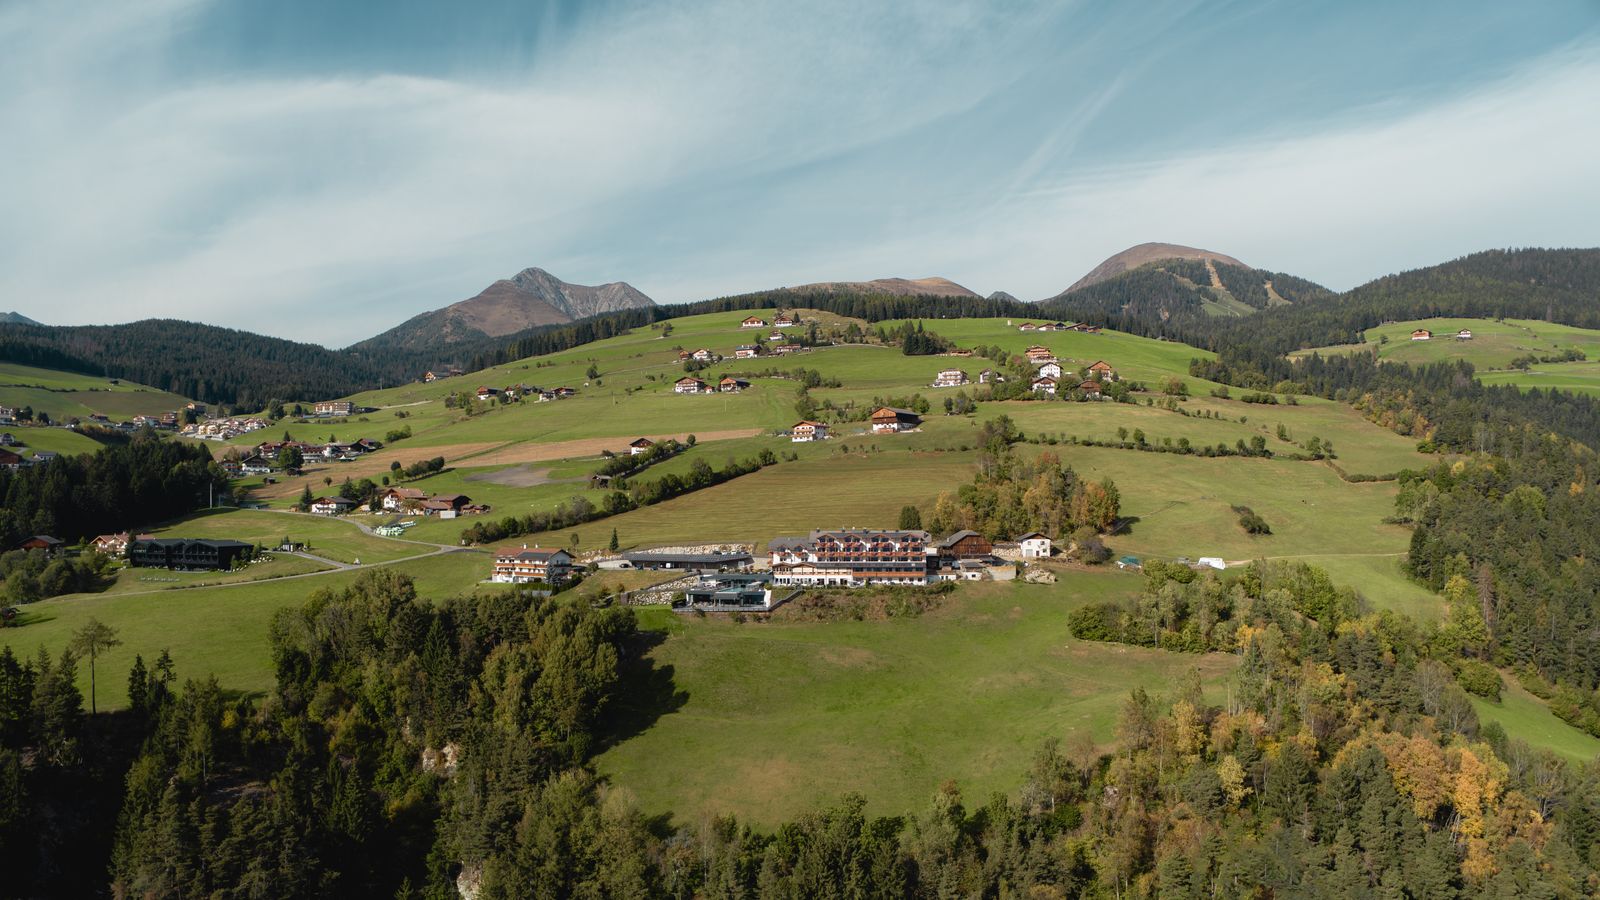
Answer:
(263, 458)
(512, 393)
(222, 429)
(403, 501)
(1080, 327)
(884, 420)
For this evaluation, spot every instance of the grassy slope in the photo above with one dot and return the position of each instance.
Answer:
(65, 394)
(1525, 716)
(1494, 344)
(779, 716)
(328, 538)
(211, 631)
(805, 672)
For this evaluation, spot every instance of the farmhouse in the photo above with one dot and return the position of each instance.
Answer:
(330, 506)
(990, 376)
(1464, 334)
(1100, 370)
(488, 393)
(1084, 329)
(776, 337)
(715, 561)
(401, 499)
(111, 544)
(256, 464)
(753, 322)
(8, 440)
(950, 378)
(1027, 326)
(850, 558)
(1034, 545)
(448, 506)
(8, 414)
(888, 420)
(50, 545)
(9, 460)
(965, 544)
(702, 355)
(523, 565)
(807, 431)
(325, 408)
(1044, 386)
(746, 351)
(784, 320)
(1422, 334)
(732, 385)
(1090, 387)
(641, 445)
(689, 385)
(1050, 369)
(730, 592)
(187, 553)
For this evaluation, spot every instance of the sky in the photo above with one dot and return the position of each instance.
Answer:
(323, 171)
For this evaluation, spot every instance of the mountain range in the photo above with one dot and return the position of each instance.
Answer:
(529, 299)
(15, 318)
(932, 286)
(1195, 296)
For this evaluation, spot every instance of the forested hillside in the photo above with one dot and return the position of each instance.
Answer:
(215, 365)
(1170, 293)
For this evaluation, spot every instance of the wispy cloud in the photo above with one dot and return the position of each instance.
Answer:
(705, 148)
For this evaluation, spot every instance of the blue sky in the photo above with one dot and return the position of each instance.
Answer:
(322, 171)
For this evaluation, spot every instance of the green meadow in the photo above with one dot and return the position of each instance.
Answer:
(328, 538)
(1525, 716)
(67, 394)
(1494, 344)
(777, 716)
(220, 631)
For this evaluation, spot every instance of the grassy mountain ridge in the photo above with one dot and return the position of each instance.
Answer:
(1142, 254)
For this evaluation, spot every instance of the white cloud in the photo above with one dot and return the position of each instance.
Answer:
(695, 150)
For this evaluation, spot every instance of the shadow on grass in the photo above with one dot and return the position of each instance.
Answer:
(646, 693)
(25, 617)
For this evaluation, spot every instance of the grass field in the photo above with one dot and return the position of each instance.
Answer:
(862, 490)
(333, 539)
(1578, 377)
(219, 631)
(130, 580)
(778, 717)
(67, 394)
(1525, 716)
(1494, 344)
(1136, 358)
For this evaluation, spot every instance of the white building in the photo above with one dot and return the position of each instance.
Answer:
(1035, 545)
(950, 378)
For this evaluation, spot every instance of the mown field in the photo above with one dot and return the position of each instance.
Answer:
(325, 537)
(775, 717)
(220, 631)
(1494, 344)
(67, 394)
